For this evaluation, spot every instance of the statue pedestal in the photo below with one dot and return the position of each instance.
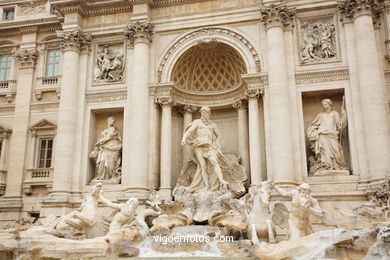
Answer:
(331, 173)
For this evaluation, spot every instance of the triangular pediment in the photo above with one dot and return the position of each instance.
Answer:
(43, 124)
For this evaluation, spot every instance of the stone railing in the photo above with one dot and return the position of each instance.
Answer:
(7, 89)
(47, 84)
(37, 177)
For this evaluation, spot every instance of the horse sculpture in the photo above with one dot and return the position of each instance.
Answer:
(259, 220)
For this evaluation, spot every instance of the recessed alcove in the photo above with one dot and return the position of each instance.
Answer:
(98, 122)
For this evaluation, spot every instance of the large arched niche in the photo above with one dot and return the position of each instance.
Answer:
(208, 67)
(230, 37)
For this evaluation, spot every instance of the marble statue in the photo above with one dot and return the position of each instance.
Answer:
(110, 65)
(209, 168)
(324, 136)
(107, 153)
(124, 213)
(86, 221)
(129, 221)
(259, 220)
(302, 206)
(318, 41)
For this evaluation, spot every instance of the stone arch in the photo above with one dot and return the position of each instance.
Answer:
(223, 35)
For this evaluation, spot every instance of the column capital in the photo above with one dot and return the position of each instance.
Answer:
(240, 104)
(6, 133)
(165, 102)
(139, 31)
(26, 58)
(253, 93)
(276, 15)
(351, 9)
(188, 109)
(74, 40)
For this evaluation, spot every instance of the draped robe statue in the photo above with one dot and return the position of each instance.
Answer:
(209, 168)
(107, 153)
(323, 134)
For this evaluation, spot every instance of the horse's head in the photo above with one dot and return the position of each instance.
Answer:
(264, 191)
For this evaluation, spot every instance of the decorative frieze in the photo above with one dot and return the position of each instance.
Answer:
(317, 41)
(74, 40)
(109, 63)
(322, 76)
(140, 31)
(276, 15)
(26, 58)
(106, 96)
(31, 8)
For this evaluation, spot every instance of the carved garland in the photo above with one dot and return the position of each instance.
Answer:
(209, 30)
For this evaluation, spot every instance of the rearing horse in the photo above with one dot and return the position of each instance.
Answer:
(259, 220)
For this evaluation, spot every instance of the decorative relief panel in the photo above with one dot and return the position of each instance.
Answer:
(31, 8)
(317, 41)
(109, 63)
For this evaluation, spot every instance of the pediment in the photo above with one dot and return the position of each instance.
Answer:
(43, 125)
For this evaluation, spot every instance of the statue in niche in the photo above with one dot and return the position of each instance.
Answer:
(324, 135)
(318, 42)
(209, 168)
(107, 153)
(302, 206)
(110, 65)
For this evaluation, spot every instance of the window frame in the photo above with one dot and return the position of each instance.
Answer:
(38, 152)
(8, 70)
(46, 64)
(7, 9)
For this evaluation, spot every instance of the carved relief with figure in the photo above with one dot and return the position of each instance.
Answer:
(109, 63)
(317, 41)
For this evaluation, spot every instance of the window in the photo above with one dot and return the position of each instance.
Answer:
(5, 66)
(8, 14)
(53, 63)
(52, 10)
(45, 152)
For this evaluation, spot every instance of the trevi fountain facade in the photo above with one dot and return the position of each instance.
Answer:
(265, 121)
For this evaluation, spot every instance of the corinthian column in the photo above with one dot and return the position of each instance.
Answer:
(26, 60)
(243, 138)
(166, 148)
(187, 119)
(275, 18)
(71, 42)
(372, 87)
(139, 35)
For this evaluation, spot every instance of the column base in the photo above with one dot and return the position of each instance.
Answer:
(10, 208)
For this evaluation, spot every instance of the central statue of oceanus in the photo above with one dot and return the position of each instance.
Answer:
(209, 168)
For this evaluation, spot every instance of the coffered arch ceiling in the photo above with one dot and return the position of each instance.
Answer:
(209, 67)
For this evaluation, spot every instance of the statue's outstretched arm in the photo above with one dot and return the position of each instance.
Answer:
(109, 203)
(315, 208)
(283, 192)
(187, 132)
